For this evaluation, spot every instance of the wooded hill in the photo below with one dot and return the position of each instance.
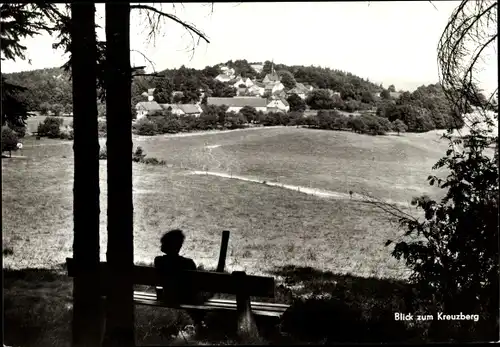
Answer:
(425, 109)
(53, 86)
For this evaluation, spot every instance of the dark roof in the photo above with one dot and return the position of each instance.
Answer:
(148, 106)
(190, 108)
(238, 101)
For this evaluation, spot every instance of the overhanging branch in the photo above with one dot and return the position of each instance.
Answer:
(188, 26)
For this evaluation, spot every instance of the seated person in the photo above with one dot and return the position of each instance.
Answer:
(174, 289)
(177, 290)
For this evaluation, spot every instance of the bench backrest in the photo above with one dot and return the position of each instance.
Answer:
(214, 282)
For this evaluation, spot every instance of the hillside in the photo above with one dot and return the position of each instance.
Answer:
(52, 85)
(425, 109)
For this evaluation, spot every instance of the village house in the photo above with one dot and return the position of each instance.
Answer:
(271, 78)
(273, 87)
(223, 78)
(309, 87)
(279, 95)
(300, 90)
(226, 75)
(278, 105)
(238, 81)
(257, 89)
(183, 109)
(145, 108)
(191, 109)
(236, 104)
(173, 108)
(227, 71)
(149, 94)
(242, 91)
(395, 95)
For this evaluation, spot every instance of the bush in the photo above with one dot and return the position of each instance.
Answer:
(67, 134)
(19, 130)
(235, 121)
(399, 126)
(376, 125)
(274, 118)
(9, 139)
(188, 123)
(172, 125)
(50, 127)
(453, 252)
(357, 125)
(138, 155)
(57, 109)
(250, 113)
(331, 120)
(159, 121)
(152, 161)
(45, 108)
(296, 118)
(146, 127)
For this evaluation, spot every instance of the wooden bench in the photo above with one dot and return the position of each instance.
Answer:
(237, 283)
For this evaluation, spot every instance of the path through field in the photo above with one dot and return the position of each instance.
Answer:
(301, 189)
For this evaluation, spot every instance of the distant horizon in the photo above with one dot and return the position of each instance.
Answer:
(384, 42)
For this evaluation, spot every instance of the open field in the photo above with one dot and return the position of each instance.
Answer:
(388, 167)
(271, 226)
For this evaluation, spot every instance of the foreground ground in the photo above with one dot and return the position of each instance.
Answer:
(326, 249)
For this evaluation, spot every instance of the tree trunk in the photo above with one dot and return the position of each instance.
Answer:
(87, 315)
(120, 252)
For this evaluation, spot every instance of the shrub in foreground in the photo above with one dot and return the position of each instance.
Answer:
(454, 256)
(140, 157)
(152, 161)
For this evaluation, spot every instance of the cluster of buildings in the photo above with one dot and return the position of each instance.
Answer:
(248, 93)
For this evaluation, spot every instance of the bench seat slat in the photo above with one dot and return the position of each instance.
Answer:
(258, 308)
(265, 305)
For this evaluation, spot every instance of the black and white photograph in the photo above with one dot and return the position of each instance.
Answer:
(249, 173)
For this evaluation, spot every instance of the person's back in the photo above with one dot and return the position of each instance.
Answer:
(171, 263)
(176, 289)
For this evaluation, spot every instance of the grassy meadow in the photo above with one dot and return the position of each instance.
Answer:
(270, 226)
(310, 244)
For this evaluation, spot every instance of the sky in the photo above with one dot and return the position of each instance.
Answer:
(386, 42)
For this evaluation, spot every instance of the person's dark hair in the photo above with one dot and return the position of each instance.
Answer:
(171, 241)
